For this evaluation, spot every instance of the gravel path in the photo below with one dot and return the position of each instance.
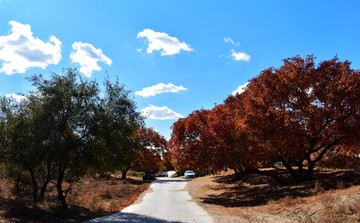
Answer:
(165, 201)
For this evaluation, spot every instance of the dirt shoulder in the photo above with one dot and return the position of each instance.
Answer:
(335, 197)
(202, 187)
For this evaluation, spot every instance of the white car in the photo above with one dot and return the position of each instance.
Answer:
(189, 174)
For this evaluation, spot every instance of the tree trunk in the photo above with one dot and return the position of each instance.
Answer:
(18, 183)
(300, 168)
(236, 171)
(124, 172)
(292, 172)
(61, 196)
(34, 185)
(179, 172)
(310, 172)
(47, 180)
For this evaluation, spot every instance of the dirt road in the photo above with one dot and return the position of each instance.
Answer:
(165, 201)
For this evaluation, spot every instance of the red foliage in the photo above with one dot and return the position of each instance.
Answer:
(191, 142)
(210, 140)
(301, 111)
(340, 159)
(153, 145)
(146, 159)
(295, 115)
(166, 161)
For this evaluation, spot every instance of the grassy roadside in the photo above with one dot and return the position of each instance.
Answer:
(89, 198)
(334, 197)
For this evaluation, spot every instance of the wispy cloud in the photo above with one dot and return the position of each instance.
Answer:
(88, 57)
(229, 40)
(240, 89)
(160, 113)
(239, 56)
(163, 42)
(159, 89)
(20, 50)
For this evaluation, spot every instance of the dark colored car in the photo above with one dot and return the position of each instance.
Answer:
(149, 175)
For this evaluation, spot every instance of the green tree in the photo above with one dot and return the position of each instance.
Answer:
(64, 130)
(117, 122)
(23, 153)
(66, 111)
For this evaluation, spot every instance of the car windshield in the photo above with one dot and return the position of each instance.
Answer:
(189, 171)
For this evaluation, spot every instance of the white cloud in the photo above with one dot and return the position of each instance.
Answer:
(88, 56)
(162, 41)
(16, 97)
(229, 40)
(158, 89)
(240, 89)
(240, 56)
(161, 113)
(20, 50)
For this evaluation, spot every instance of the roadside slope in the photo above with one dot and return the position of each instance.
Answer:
(241, 201)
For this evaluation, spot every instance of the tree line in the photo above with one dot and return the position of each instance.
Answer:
(299, 115)
(68, 128)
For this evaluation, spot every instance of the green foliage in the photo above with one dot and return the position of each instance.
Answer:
(65, 130)
(116, 122)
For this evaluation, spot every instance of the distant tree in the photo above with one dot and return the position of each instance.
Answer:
(166, 161)
(146, 159)
(194, 145)
(186, 142)
(150, 138)
(209, 140)
(153, 146)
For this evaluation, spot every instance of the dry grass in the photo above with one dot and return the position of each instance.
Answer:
(334, 197)
(344, 204)
(109, 196)
(89, 198)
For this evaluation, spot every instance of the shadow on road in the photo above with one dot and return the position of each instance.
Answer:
(128, 217)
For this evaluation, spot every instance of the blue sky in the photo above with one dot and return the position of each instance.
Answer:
(175, 56)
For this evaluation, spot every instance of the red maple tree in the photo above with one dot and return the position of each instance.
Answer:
(299, 111)
(152, 145)
(296, 115)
